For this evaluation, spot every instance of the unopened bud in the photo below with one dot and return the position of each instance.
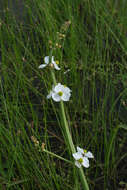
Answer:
(43, 146)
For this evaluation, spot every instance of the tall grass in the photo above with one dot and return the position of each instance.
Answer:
(94, 50)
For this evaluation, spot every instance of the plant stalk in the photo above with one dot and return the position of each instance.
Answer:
(55, 155)
(69, 137)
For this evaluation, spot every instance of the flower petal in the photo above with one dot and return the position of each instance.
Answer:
(56, 97)
(46, 59)
(80, 150)
(78, 164)
(66, 89)
(85, 162)
(66, 97)
(42, 66)
(89, 154)
(77, 156)
(55, 65)
(58, 88)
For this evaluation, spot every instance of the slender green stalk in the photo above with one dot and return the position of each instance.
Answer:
(83, 179)
(69, 137)
(57, 156)
(110, 144)
(53, 77)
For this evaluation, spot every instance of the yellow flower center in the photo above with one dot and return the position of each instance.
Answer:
(60, 93)
(57, 62)
(85, 151)
(80, 160)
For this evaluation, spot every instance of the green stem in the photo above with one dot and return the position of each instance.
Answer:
(83, 179)
(70, 141)
(53, 77)
(55, 155)
(69, 137)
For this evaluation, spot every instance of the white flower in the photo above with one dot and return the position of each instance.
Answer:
(84, 152)
(81, 157)
(46, 60)
(60, 92)
(80, 160)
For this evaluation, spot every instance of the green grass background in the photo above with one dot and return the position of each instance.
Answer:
(95, 51)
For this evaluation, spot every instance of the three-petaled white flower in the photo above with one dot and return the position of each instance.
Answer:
(47, 61)
(80, 160)
(60, 92)
(81, 157)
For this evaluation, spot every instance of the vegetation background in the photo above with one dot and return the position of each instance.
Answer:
(95, 51)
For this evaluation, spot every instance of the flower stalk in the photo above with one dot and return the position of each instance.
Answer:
(53, 77)
(55, 155)
(69, 137)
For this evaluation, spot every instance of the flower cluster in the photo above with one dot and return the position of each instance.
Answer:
(60, 92)
(81, 157)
